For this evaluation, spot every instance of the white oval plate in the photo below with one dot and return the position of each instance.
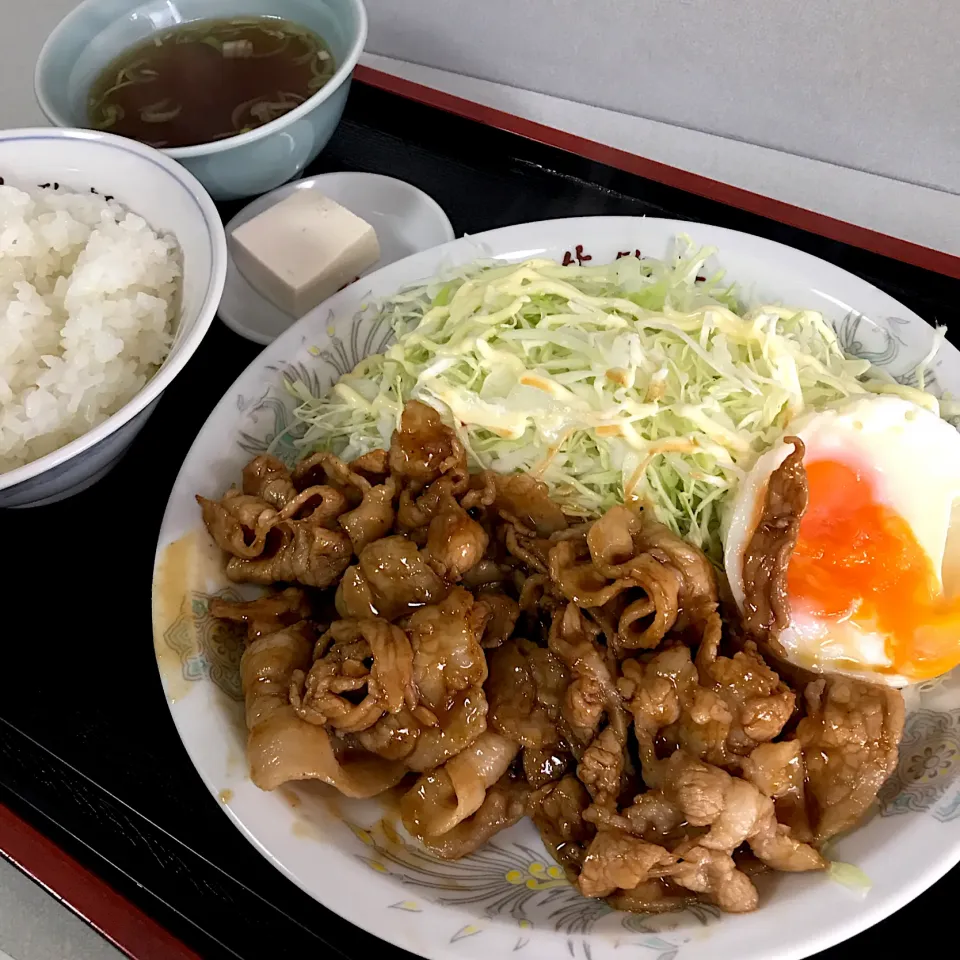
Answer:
(509, 898)
(406, 220)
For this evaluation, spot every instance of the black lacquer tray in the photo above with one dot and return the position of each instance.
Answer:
(88, 752)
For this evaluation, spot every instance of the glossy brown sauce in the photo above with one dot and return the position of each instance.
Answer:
(185, 565)
(170, 586)
(209, 79)
(307, 830)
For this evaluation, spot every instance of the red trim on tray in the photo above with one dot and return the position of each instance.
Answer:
(123, 924)
(787, 213)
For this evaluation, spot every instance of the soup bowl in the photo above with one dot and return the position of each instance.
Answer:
(98, 31)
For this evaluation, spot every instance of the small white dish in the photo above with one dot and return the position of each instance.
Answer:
(406, 220)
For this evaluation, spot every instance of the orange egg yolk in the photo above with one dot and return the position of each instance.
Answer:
(856, 559)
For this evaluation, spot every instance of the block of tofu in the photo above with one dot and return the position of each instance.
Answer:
(303, 249)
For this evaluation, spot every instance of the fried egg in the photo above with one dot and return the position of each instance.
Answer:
(874, 580)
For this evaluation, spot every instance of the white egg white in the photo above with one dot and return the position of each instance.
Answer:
(913, 458)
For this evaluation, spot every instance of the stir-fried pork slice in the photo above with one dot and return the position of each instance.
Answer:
(281, 747)
(531, 552)
(538, 597)
(417, 507)
(550, 677)
(619, 861)
(698, 581)
(487, 574)
(611, 541)
(602, 767)
(774, 844)
(766, 607)
(367, 511)
(715, 875)
(549, 762)
(268, 478)
(391, 670)
(850, 739)
(736, 812)
(696, 795)
(592, 692)
(617, 564)
(718, 709)
(327, 469)
(447, 656)
(504, 805)
(524, 690)
(656, 691)
(297, 551)
(374, 466)
(424, 740)
(342, 673)
(667, 702)
(462, 721)
(643, 577)
(543, 765)
(268, 664)
(246, 525)
(661, 895)
(481, 493)
(265, 614)
(760, 703)
(445, 797)
(374, 516)
(504, 612)
(394, 736)
(557, 812)
(578, 579)
(238, 523)
(778, 771)
(651, 817)
(455, 542)
(319, 696)
(423, 447)
(524, 500)
(648, 618)
(391, 578)
(623, 542)
(699, 790)
(321, 505)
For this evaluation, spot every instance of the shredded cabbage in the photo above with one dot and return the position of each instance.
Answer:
(636, 379)
(850, 876)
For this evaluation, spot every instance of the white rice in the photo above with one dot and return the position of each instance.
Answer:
(88, 296)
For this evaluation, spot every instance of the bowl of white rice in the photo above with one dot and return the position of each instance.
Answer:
(112, 264)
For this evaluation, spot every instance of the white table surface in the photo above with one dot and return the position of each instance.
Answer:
(26, 24)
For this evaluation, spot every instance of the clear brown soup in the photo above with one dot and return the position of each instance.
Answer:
(209, 79)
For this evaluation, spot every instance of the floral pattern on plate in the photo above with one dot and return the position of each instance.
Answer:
(207, 648)
(270, 415)
(516, 883)
(928, 775)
